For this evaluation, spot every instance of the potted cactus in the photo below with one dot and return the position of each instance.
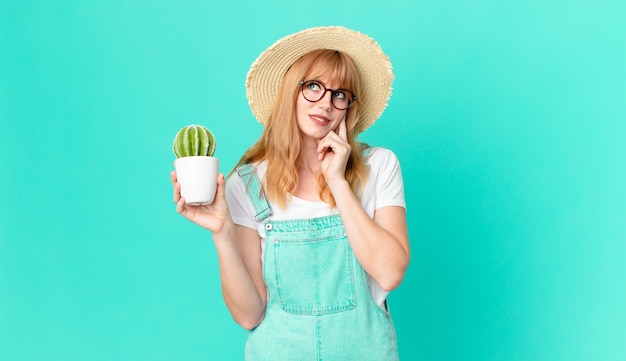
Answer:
(196, 168)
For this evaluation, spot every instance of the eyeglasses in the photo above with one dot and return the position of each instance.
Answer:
(314, 91)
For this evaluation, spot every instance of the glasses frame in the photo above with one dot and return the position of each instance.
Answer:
(323, 93)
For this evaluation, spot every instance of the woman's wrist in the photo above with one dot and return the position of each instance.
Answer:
(226, 233)
(338, 185)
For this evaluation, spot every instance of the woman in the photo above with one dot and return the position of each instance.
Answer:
(310, 229)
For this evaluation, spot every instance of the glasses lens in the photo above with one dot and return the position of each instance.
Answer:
(341, 99)
(314, 91)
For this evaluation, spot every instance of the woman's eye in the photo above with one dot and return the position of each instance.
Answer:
(340, 95)
(314, 86)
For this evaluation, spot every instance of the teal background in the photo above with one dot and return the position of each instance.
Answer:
(509, 119)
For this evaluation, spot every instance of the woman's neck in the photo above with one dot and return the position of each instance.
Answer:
(308, 162)
(309, 168)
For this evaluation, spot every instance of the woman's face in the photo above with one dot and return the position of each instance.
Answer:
(316, 119)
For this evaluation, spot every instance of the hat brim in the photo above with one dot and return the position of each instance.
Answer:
(375, 70)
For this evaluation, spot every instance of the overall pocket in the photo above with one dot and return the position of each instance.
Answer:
(314, 274)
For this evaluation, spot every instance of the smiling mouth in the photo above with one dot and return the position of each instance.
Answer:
(319, 119)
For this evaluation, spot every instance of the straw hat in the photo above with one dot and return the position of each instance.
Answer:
(375, 71)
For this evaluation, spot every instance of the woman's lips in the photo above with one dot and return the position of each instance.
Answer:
(320, 119)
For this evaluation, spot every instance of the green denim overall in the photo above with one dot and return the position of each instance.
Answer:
(319, 303)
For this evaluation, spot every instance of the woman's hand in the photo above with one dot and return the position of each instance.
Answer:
(334, 151)
(215, 217)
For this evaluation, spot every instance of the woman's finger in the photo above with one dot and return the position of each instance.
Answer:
(221, 182)
(343, 131)
(180, 205)
(221, 187)
(173, 177)
(175, 185)
(327, 143)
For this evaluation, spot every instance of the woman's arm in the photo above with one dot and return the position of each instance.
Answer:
(241, 274)
(380, 244)
(239, 255)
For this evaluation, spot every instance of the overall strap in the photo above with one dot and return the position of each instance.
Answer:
(367, 151)
(248, 175)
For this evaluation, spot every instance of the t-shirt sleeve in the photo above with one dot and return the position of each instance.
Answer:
(389, 188)
(238, 202)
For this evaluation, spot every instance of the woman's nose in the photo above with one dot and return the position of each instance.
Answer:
(327, 100)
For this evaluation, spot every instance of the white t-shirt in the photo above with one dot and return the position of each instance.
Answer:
(384, 188)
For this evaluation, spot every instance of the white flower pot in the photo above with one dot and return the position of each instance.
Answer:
(197, 176)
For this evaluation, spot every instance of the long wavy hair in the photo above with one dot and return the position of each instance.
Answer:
(281, 140)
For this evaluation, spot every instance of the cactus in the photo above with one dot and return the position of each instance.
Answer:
(194, 140)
